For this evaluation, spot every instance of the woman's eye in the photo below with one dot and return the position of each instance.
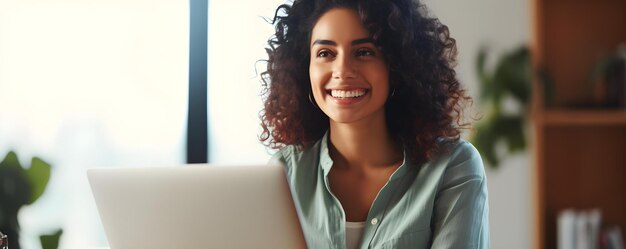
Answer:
(324, 53)
(364, 52)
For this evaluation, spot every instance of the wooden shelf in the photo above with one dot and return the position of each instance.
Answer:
(582, 117)
(579, 154)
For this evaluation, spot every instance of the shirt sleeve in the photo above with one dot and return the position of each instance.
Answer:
(461, 212)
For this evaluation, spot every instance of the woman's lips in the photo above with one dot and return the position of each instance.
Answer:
(347, 93)
(347, 96)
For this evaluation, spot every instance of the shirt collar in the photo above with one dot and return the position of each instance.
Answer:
(327, 163)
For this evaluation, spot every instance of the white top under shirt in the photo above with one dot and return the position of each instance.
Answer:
(354, 232)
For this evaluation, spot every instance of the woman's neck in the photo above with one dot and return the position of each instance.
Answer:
(363, 145)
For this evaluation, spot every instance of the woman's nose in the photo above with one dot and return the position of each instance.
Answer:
(344, 67)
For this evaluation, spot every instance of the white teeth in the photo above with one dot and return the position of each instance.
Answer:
(347, 94)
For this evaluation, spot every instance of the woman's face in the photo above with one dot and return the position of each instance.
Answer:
(349, 76)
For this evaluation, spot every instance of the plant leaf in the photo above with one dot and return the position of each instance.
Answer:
(14, 188)
(513, 74)
(520, 80)
(51, 241)
(10, 160)
(513, 133)
(38, 175)
(15, 192)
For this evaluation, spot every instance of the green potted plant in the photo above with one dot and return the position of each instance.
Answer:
(510, 81)
(609, 74)
(19, 187)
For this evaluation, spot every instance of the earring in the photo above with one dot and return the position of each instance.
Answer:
(393, 92)
(311, 99)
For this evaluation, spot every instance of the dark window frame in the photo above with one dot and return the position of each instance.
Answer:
(197, 120)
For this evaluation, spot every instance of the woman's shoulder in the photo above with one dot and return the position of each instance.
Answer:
(456, 159)
(283, 152)
(282, 155)
(464, 159)
(463, 150)
(297, 162)
(291, 155)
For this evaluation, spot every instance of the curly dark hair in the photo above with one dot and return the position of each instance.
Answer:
(427, 106)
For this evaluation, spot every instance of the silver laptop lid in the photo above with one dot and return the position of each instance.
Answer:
(199, 206)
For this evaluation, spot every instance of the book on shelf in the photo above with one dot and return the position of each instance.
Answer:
(611, 238)
(566, 229)
(578, 229)
(582, 229)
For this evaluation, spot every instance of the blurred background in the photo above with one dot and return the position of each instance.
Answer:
(99, 83)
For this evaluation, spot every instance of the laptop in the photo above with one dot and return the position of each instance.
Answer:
(196, 206)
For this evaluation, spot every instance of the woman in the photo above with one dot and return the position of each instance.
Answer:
(362, 100)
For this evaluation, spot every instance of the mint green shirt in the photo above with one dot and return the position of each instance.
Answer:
(441, 203)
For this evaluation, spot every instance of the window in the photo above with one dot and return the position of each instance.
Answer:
(90, 84)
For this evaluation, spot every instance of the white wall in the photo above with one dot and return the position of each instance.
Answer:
(236, 42)
(502, 25)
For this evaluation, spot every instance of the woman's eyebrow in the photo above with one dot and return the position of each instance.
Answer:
(333, 43)
(363, 40)
(324, 42)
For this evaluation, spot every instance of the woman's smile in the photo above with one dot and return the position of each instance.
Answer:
(342, 94)
(347, 96)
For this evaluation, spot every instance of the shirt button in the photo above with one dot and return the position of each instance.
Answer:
(374, 221)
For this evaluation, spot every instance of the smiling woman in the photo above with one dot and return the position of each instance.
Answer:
(363, 102)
